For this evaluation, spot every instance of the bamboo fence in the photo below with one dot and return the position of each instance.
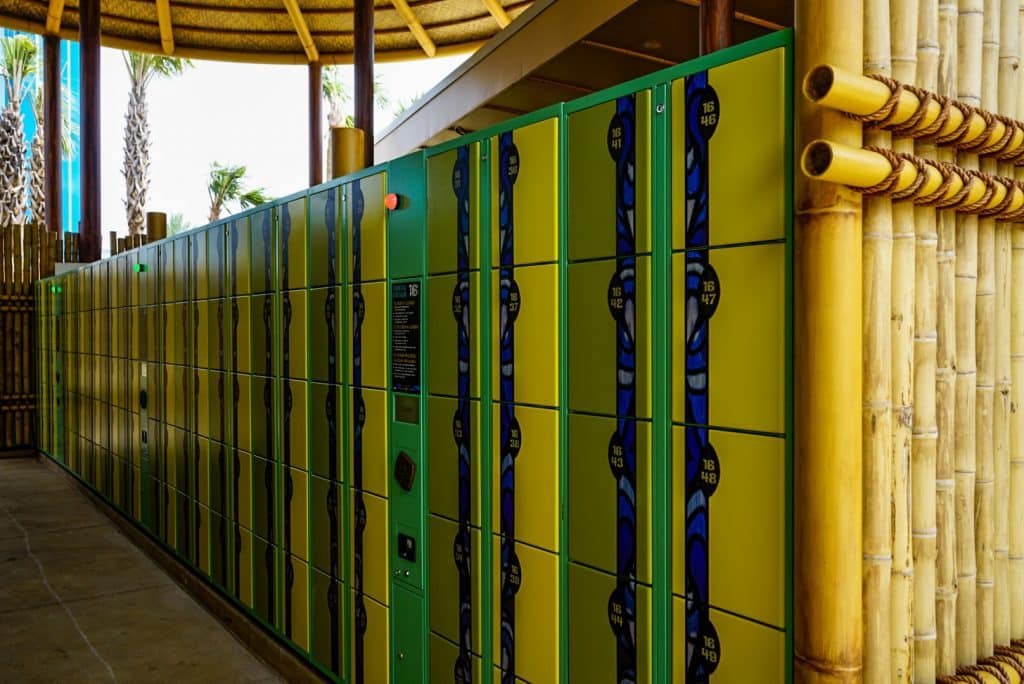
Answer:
(27, 253)
(943, 257)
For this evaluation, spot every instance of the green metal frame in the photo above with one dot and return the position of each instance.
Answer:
(662, 182)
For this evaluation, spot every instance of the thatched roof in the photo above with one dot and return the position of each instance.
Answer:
(273, 31)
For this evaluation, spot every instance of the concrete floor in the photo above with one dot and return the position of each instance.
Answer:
(79, 602)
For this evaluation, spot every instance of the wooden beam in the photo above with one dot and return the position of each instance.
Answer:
(52, 133)
(316, 123)
(716, 24)
(583, 90)
(626, 52)
(163, 15)
(415, 27)
(498, 12)
(89, 133)
(300, 28)
(363, 57)
(53, 17)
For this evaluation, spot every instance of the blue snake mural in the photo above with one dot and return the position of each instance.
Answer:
(702, 646)
(461, 420)
(510, 434)
(622, 447)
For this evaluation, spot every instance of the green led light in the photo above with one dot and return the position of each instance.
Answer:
(140, 268)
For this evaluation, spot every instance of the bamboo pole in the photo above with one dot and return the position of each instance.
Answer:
(969, 38)
(1016, 525)
(1009, 62)
(864, 168)
(877, 382)
(986, 352)
(828, 631)
(904, 68)
(925, 430)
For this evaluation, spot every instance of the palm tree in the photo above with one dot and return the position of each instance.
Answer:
(337, 91)
(17, 64)
(141, 70)
(37, 160)
(227, 184)
(177, 223)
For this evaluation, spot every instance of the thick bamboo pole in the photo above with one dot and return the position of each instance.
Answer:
(828, 631)
(877, 382)
(904, 68)
(865, 168)
(969, 37)
(1016, 525)
(1009, 62)
(925, 432)
(986, 356)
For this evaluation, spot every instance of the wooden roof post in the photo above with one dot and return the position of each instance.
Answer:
(716, 24)
(316, 130)
(363, 68)
(89, 45)
(52, 133)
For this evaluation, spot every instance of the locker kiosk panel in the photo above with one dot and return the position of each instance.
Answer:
(759, 653)
(295, 603)
(376, 574)
(447, 323)
(533, 306)
(444, 661)
(454, 587)
(326, 438)
(604, 525)
(293, 244)
(365, 197)
(326, 258)
(327, 539)
(528, 157)
(444, 457)
(534, 493)
(609, 329)
(744, 342)
(262, 241)
(523, 630)
(453, 214)
(294, 432)
(325, 341)
(327, 623)
(611, 638)
(739, 488)
(747, 104)
(608, 170)
(295, 530)
(239, 263)
(369, 313)
(369, 407)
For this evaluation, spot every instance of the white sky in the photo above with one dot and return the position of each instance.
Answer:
(231, 113)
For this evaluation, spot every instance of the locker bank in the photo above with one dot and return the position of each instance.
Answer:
(515, 408)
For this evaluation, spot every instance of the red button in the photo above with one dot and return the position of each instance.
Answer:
(391, 201)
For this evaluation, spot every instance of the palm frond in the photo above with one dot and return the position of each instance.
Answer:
(17, 63)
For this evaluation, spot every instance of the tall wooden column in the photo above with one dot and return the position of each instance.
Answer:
(89, 45)
(52, 133)
(316, 130)
(363, 60)
(716, 24)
